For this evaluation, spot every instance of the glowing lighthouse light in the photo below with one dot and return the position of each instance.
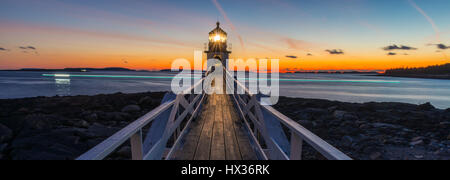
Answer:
(217, 38)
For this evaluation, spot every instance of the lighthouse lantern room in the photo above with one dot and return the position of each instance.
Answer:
(217, 46)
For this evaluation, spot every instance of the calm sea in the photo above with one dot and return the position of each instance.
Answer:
(341, 87)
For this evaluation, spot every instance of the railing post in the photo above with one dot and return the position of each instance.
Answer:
(136, 146)
(296, 147)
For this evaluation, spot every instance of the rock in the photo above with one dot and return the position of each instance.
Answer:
(23, 110)
(347, 141)
(333, 108)
(417, 139)
(145, 101)
(3, 147)
(375, 156)
(339, 114)
(342, 115)
(131, 108)
(101, 131)
(385, 125)
(5, 133)
(415, 143)
(40, 121)
(115, 116)
(91, 117)
(81, 124)
(124, 151)
(426, 107)
(306, 123)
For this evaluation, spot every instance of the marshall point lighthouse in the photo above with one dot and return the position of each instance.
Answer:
(217, 47)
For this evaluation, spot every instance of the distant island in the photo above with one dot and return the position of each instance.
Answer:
(79, 69)
(337, 72)
(433, 72)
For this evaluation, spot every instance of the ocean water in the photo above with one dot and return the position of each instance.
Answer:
(340, 87)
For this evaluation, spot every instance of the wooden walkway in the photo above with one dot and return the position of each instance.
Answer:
(217, 134)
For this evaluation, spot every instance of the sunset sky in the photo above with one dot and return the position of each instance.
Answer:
(150, 34)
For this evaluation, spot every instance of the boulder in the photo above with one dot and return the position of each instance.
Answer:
(145, 101)
(415, 143)
(417, 139)
(347, 141)
(99, 130)
(342, 115)
(426, 107)
(131, 108)
(40, 121)
(306, 123)
(5, 133)
(91, 117)
(81, 124)
(115, 116)
(375, 156)
(124, 151)
(339, 114)
(385, 125)
(3, 147)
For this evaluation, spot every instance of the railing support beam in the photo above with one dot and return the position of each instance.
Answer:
(296, 147)
(136, 146)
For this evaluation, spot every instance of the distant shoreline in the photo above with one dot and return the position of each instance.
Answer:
(421, 76)
(76, 69)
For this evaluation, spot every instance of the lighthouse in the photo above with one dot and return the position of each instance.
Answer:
(217, 46)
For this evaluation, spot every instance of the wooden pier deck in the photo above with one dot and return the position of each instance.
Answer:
(217, 134)
(217, 130)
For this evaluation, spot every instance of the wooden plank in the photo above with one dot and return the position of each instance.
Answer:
(190, 142)
(231, 143)
(218, 140)
(245, 147)
(204, 145)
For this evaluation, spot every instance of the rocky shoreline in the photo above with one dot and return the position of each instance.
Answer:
(374, 131)
(59, 128)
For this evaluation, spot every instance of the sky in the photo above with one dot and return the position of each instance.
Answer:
(150, 34)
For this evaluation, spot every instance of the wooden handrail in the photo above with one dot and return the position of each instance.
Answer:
(109, 145)
(133, 132)
(298, 132)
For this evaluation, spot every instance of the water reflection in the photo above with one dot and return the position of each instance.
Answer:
(62, 87)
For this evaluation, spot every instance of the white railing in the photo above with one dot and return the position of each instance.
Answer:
(165, 122)
(268, 128)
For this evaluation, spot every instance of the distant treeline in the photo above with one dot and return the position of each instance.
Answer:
(430, 70)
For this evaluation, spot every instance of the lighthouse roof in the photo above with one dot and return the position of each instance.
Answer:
(218, 30)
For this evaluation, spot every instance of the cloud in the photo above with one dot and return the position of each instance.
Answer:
(27, 47)
(292, 57)
(309, 54)
(3, 49)
(395, 47)
(442, 46)
(391, 54)
(296, 44)
(335, 51)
